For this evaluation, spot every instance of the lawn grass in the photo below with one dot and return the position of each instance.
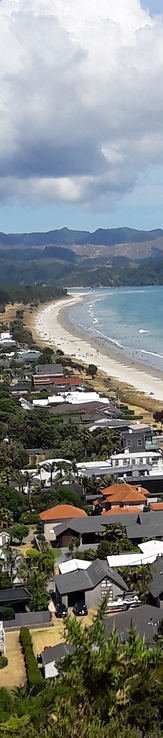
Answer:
(14, 674)
(57, 552)
(53, 636)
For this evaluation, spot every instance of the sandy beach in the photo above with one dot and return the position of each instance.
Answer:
(52, 327)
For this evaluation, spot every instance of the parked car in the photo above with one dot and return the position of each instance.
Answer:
(80, 609)
(61, 611)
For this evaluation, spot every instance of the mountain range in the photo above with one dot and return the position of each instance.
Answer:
(69, 257)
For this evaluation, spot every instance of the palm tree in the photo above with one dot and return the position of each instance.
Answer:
(64, 469)
(27, 478)
(13, 558)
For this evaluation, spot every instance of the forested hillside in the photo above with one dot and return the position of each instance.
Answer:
(79, 258)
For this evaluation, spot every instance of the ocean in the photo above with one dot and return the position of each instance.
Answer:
(129, 320)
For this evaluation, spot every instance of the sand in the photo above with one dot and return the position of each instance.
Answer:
(52, 327)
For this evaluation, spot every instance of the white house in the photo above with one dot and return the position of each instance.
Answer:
(135, 458)
(50, 657)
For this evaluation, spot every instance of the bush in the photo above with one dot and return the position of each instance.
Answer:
(3, 661)
(30, 518)
(32, 553)
(34, 677)
(7, 613)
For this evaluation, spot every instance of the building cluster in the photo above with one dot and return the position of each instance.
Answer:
(131, 497)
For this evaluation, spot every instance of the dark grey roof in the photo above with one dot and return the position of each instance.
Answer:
(56, 652)
(113, 423)
(144, 531)
(144, 618)
(15, 594)
(94, 523)
(155, 586)
(152, 517)
(54, 369)
(88, 579)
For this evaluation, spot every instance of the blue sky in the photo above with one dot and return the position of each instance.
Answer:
(81, 114)
(154, 6)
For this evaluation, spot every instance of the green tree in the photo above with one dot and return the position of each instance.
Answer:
(13, 559)
(6, 517)
(103, 550)
(19, 531)
(91, 370)
(137, 579)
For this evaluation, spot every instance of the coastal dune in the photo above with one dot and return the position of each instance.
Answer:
(52, 326)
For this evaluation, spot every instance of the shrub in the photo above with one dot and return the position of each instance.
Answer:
(3, 661)
(32, 553)
(34, 677)
(7, 613)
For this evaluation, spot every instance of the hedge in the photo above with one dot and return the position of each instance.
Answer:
(7, 613)
(34, 677)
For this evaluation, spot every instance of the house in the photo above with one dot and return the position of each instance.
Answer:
(136, 436)
(90, 585)
(155, 586)
(73, 565)
(46, 370)
(4, 538)
(27, 356)
(20, 388)
(144, 618)
(125, 495)
(118, 510)
(88, 529)
(54, 377)
(17, 597)
(137, 532)
(112, 423)
(131, 559)
(50, 657)
(58, 514)
(134, 457)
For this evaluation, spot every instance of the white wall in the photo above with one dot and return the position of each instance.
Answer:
(50, 670)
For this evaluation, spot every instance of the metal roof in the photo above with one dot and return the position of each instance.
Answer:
(144, 618)
(66, 567)
(14, 594)
(94, 523)
(48, 369)
(155, 586)
(144, 531)
(54, 653)
(131, 559)
(86, 580)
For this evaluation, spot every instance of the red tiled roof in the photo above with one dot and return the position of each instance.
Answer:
(122, 492)
(127, 497)
(156, 505)
(63, 512)
(116, 510)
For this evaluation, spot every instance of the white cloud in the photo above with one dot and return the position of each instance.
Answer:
(81, 98)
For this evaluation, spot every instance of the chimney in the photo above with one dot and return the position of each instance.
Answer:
(139, 488)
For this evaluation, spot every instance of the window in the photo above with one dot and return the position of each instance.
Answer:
(128, 443)
(139, 442)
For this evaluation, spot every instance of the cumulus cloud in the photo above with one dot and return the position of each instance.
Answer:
(81, 99)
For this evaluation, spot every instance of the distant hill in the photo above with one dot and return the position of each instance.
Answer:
(64, 236)
(69, 257)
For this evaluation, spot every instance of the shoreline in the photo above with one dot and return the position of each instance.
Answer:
(54, 329)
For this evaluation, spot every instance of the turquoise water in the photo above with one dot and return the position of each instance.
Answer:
(130, 320)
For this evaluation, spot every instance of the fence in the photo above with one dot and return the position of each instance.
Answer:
(27, 619)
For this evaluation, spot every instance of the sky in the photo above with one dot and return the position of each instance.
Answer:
(81, 111)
